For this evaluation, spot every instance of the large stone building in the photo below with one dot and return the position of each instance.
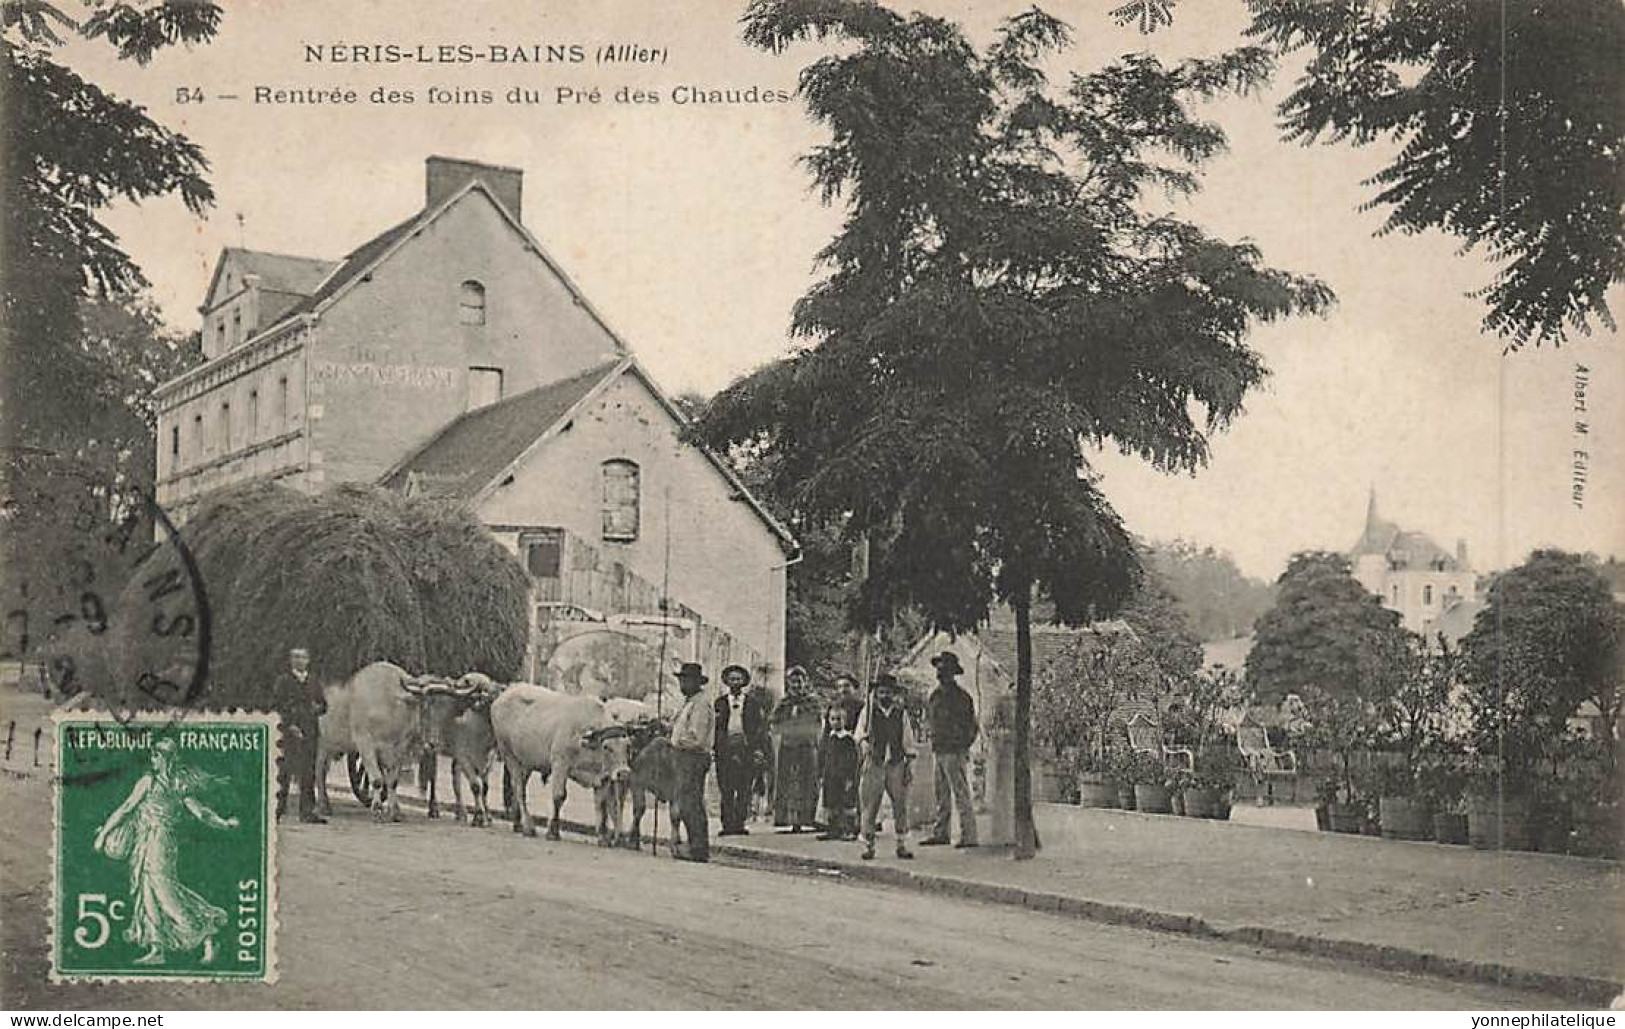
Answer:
(1433, 589)
(451, 355)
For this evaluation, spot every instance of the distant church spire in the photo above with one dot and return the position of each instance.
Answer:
(1371, 511)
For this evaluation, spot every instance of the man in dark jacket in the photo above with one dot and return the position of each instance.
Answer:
(301, 705)
(741, 737)
(952, 717)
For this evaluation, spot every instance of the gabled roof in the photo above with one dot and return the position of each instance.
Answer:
(361, 261)
(476, 451)
(280, 273)
(355, 263)
(468, 454)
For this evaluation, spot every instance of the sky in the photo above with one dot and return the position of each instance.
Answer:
(693, 230)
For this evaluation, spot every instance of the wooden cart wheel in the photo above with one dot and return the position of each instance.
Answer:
(359, 783)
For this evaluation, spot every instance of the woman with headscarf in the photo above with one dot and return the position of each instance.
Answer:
(797, 723)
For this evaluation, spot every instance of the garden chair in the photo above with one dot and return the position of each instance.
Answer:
(1145, 736)
(1264, 761)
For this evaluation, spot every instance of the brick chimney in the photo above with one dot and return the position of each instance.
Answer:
(446, 175)
(1461, 554)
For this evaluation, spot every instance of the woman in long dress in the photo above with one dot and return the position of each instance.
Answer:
(165, 915)
(797, 723)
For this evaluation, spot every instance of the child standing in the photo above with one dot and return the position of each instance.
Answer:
(838, 776)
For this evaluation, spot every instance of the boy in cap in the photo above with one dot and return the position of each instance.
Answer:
(691, 738)
(886, 742)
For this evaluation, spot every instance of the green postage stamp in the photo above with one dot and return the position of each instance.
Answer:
(164, 850)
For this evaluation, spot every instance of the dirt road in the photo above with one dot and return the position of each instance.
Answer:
(437, 915)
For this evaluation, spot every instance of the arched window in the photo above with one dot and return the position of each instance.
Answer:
(1427, 595)
(471, 303)
(620, 500)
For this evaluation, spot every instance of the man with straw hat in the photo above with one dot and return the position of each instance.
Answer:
(691, 734)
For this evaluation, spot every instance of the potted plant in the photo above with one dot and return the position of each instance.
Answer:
(1148, 774)
(1342, 724)
(1443, 782)
(1404, 812)
(1345, 813)
(1498, 807)
(1208, 793)
(1176, 782)
(1122, 773)
(1325, 796)
(1096, 787)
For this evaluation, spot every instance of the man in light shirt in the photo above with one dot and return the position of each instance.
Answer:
(691, 736)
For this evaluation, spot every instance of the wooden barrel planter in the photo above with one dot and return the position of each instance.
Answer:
(1450, 827)
(1493, 824)
(1095, 793)
(1202, 802)
(1346, 818)
(1125, 796)
(1152, 798)
(1551, 828)
(1405, 819)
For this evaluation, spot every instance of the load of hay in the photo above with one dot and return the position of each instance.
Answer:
(354, 575)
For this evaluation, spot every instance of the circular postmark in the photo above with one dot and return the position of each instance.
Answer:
(105, 605)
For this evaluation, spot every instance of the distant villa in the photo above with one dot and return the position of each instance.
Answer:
(1433, 590)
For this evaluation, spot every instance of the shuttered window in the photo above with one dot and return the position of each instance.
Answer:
(621, 490)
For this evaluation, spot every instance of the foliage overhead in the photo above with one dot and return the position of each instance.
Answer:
(82, 350)
(996, 297)
(1325, 632)
(1509, 128)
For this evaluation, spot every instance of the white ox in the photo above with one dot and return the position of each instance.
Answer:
(563, 737)
(375, 713)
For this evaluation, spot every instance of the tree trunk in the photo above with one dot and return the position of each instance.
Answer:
(1026, 831)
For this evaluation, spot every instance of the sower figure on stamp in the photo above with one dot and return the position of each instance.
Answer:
(952, 717)
(301, 705)
(741, 736)
(691, 740)
(886, 742)
(166, 915)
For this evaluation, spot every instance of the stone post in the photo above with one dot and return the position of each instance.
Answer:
(999, 731)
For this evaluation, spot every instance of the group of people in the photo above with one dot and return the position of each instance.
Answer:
(848, 756)
(844, 758)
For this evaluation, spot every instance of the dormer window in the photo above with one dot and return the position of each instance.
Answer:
(471, 303)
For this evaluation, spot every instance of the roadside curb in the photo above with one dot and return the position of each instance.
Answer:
(1585, 989)
(1593, 992)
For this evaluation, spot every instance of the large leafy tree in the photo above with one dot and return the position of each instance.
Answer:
(1509, 129)
(1217, 598)
(996, 299)
(81, 349)
(1548, 639)
(1325, 632)
(1163, 627)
